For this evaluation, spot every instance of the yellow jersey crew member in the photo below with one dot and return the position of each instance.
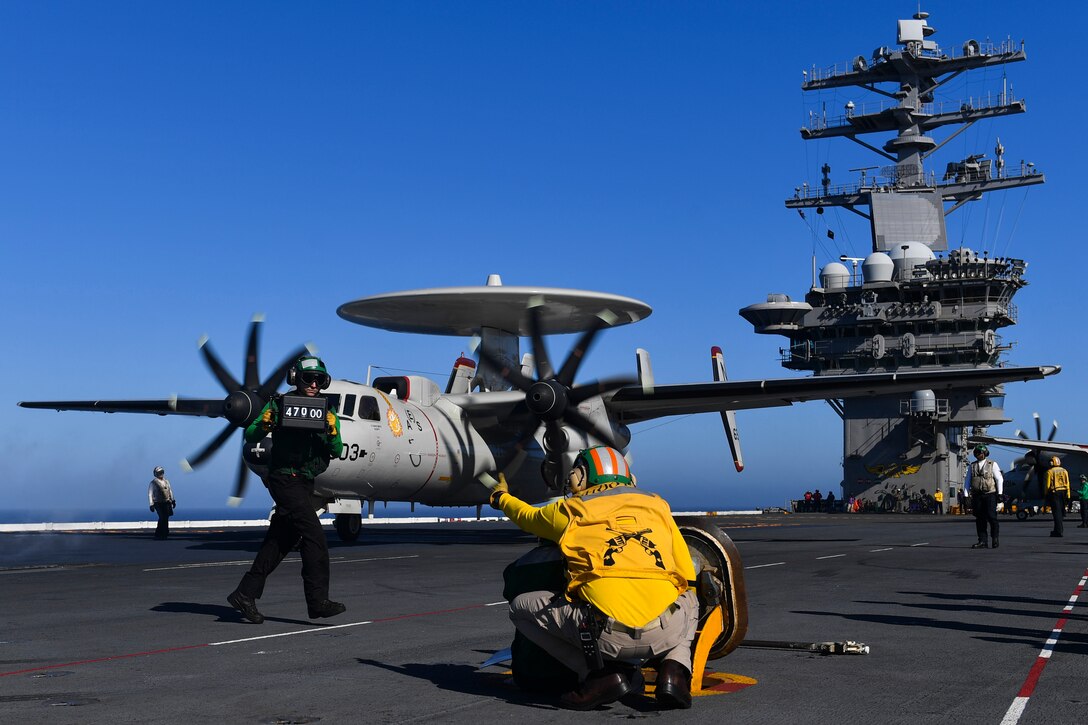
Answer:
(627, 599)
(1056, 489)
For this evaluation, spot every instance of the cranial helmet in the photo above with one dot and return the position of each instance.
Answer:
(309, 364)
(1055, 461)
(158, 471)
(982, 450)
(604, 465)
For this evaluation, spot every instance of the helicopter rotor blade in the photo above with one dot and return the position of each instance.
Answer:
(1053, 431)
(1038, 427)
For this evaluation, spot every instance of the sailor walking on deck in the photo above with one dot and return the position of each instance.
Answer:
(1056, 488)
(160, 498)
(984, 484)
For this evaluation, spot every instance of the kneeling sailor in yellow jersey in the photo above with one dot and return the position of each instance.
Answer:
(627, 599)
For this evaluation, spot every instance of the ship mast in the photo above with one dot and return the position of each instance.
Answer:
(909, 109)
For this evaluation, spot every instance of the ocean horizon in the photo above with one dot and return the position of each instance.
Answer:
(66, 516)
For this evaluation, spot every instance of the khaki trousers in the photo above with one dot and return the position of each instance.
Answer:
(551, 622)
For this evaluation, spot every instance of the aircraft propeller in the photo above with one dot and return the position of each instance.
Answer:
(1032, 458)
(244, 399)
(553, 398)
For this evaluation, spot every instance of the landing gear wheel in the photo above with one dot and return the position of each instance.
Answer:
(1021, 515)
(716, 559)
(348, 527)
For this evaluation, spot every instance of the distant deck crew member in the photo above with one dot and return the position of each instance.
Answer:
(1056, 489)
(298, 456)
(984, 484)
(1082, 494)
(160, 498)
(627, 598)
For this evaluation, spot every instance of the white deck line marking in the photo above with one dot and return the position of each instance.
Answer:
(375, 558)
(830, 556)
(333, 560)
(760, 566)
(495, 604)
(888, 549)
(207, 564)
(1016, 709)
(924, 543)
(290, 634)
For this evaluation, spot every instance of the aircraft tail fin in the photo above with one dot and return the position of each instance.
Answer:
(729, 417)
(461, 376)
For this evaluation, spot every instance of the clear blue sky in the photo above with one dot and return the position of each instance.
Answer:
(167, 168)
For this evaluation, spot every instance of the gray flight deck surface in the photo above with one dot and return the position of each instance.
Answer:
(115, 627)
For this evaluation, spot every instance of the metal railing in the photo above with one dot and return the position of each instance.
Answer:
(1005, 47)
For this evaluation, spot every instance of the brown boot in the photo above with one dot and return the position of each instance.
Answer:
(672, 688)
(600, 688)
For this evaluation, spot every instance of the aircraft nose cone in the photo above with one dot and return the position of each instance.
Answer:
(547, 399)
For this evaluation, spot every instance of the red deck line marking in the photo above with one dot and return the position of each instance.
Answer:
(104, 659)
(1016, 709)
(210, 644)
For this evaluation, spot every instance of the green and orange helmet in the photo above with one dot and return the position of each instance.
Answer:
(604, 465)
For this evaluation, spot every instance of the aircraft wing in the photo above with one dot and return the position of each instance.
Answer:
(633, 404)
(173, 406)
(1033, 445)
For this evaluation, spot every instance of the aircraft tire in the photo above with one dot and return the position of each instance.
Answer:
(1021, 515)
(348, 527)
(713, 551)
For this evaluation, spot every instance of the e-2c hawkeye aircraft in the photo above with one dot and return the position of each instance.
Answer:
(405, 439)
(1026, 474)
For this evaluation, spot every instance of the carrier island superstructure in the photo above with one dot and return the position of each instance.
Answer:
(914, 303)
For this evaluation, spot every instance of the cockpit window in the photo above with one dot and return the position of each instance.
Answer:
(349, 405)
(368, 408)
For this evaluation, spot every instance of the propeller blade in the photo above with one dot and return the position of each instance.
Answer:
(239, 484)
(210, 449)
(273, 381)
(575, 417)
(578, 353)
(252, 376)
(1038, 427)
(586, 391)
(513, 463)
(544, 369)
(510, 374)
(218, 369)
(1053, 432)
(1022, 435)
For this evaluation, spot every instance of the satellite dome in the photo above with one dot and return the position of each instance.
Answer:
(905, 257)
(834, 276)
(877, 267)
(923, 401)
